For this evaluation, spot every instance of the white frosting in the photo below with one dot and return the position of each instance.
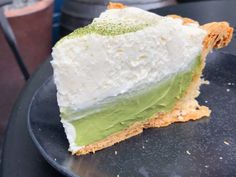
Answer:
(71, 136)
(90, 68)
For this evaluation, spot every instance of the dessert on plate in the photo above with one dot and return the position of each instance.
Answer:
(130, 70)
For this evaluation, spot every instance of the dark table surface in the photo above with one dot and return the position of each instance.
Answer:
(20, 157)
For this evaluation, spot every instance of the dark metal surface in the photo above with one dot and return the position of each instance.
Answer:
(22, 159)
(11, 40)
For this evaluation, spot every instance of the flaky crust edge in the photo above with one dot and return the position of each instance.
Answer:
(219, 34)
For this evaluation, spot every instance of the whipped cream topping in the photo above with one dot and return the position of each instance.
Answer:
(92, 67)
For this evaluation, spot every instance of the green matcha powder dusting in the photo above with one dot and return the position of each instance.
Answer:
(106, 29)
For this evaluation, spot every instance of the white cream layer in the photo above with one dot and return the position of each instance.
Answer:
(90, 68)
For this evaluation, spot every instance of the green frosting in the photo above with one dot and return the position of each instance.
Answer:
(107, 29)
(118, 113)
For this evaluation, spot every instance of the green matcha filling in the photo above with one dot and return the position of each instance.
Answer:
(114, 116)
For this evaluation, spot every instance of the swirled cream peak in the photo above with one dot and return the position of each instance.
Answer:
(125, 49)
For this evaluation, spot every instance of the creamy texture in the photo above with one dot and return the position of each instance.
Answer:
(92, 67)
(122, 111)
(138, 50)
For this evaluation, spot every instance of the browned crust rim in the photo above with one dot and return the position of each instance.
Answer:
(219, 34)
(112, 5)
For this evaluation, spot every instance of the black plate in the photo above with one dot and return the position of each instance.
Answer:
(206, 147)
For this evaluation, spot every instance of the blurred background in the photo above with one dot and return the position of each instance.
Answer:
(37, 26)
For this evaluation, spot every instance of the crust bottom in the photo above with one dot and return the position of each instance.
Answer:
(187, 108)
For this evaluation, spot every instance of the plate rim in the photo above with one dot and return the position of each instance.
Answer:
(42, 151)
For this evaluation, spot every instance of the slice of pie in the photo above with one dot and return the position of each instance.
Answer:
(130, 70)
